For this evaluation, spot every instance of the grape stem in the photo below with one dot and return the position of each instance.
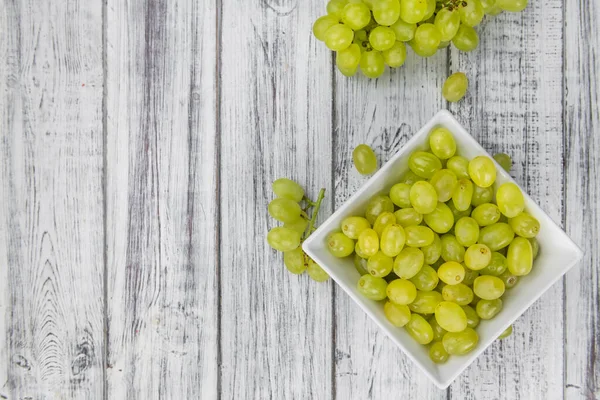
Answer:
(311, 225)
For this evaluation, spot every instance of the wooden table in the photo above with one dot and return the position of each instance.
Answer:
(138, 141)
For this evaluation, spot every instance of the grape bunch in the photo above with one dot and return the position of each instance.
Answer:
(373, 33)
(288, 208)
(438, 249)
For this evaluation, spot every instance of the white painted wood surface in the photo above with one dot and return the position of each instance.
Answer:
(138, 141)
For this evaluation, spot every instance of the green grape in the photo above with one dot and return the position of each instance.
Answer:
(368, 240)
(470, 276)
(441, 219)
(447, 21)
(497, 265)
(472, 13)
(353, 226)
(510, 280)
(510, 200)
(398, 315)
(418, 236)
(372, 64)
(294, 261)
(525, 225)
(488, 309)
(481, 195)
(426, 279)
(459, 343)
(338, 37)
(288, 189)
(423, 197)
(392, 240)
(460, 166)
(409, 262)
(376, 206)
(496, 236)
(322, 24)
(482, 171)
(348, 60)
(401, 292)
(410, 178)
(404, 31)
(442, 143)
(472, 317)
(458, 214)
(431, 4)
(382, 38)
(408, 217)
(395, 55)
(347, 71)
(519, 257)
(486, 214)
(451, 273)
(512, 5)
(360, 264)
(372, 287)
(419, 329)
(340, 245)
(438, 331)
(506, 333)
(421, 50)
(466, 231)
(450, 316)
(413, 11)
(460, 294)
(382, 221)
(427, 36)
(466, 38)
(433, 252)
(535, 247)
(444, 182)
(380, 265)
(451, 249)
(315, 271)
(488, 287)
(299, 225)
(285, 210)
(504, 160)
(425, 302)
(356, 15)
(455, 87)
(424, 164)
(361, 36)
(335, 7)
(400, 195)
(386, 12)
(364, 159)
(437, 353)
(283, 239)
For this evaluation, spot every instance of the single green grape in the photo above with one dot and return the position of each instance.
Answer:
(294, 261)
(459, 343)
(451, 273)
(353, 226)
(504, 160)
(441, 219)
(315, 271)
(410, 178)
(472, 317)
(418, 236)
(356, 15)
(472, 13)
(423, 197)
(451, 249)
(322, 24)
(510, 200)
(447, 21)
(382, 38)
(458, 214)
(488, 309)
(535, 247)
(376, 206)
(397, 314)
(455, 87)
(488, 287)
(421, 50)
(444, 182)
(460, 294)
(460, 166)
(506, 333)
(372, 287)
(437, 353)
(335, 7)
(450, 316)
(340, 245)
(372, 64)
(482, 171)
(285, 210)
(510, 280)
(466, 38)
(438, 331)
(338, 37)
(432, 252)
(427, 36)
(380, 265)
(413, 11)
(382, 221)
(424, 164)
(470, 276)
(512, 5)
(401, 291)
(486, 214)
(347, 60)
(299, 225)
(442, 143)
(400, 195)
(466, 231)
(496, 236)
(408, 217)
(368, 240)
(419, 329)
(425, 302)
(525, 225)
(360, 264)
(404, 31)
(392, 240)
(386, 12)
(283, 239)
(288, 189)
(409, 262)
(497, 265)
(395, 55)
(364, 159)
(426, 279)
(519, 257)
(482, 195)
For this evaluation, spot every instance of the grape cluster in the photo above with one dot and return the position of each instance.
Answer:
(297, 226)
(372, 33)
(437, 247)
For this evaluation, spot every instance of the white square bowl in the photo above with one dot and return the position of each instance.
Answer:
(557, 255)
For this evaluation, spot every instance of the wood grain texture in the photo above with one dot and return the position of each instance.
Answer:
(384, 114)
(514, 105)
(161, 200)
(51, 204)
(582, 198)
(275, 122)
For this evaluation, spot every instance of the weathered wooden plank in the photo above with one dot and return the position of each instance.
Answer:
(383, 113)
(51, 211)
(161, 200)
(582, 197)
(275, 122)
(514, 106)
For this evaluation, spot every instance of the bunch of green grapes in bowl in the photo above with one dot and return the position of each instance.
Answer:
(442, 247)
(371, 34)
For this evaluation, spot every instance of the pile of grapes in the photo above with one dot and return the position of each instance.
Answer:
(373, 33)
(439, 249)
